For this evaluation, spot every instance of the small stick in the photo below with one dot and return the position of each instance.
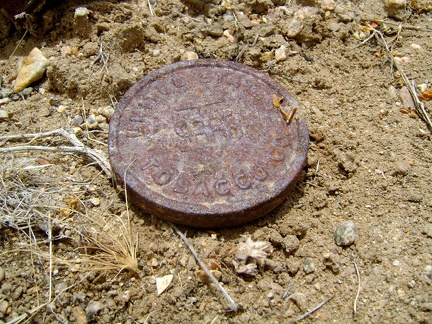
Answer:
(232, 303)
(16, 47)
(312, 311)
(358, 283)
(287, 291)
(419, 106)
(79, 147)
(150, 8)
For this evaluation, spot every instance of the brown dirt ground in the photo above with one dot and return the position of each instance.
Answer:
(368, 162)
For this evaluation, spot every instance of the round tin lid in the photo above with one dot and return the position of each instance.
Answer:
(203, 144)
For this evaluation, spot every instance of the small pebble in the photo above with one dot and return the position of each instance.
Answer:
(27, 91)
(77, 130)
(5, 92)
(2, 274)
(91, 122)
(345, 234)
(309, 266)
(396, 9)
(4, 305)
(54, 101)
(4, 115)
(328, 5)
(81, 12)
(4, 101)
(77, 121)
(344, 15)
(428, 230)
(61, 109)
(100, 119)
(80, 315)
(106, 111)
(396, 263)
(280, 54)
(95, 202)
(189, 56)
(33, 70)
(93, 308)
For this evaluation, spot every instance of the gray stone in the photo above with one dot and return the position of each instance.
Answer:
(27, 91)
(291, 243)
(345, 234)
(309, 266)
(4, 101)
(396, 9)
(77, 121)
(93, 308)
(5, 92)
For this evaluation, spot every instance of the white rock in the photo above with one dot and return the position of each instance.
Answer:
(106, 111)
(33, 70)
(2, 274)
(280, 54)
(162, 283)
(189, 56)
(81, 12)
(95, 201)
(4, 115)
(416, 46)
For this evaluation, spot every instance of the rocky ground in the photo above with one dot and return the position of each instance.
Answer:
(369, 166)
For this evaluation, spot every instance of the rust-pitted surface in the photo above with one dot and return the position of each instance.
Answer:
(205, 145)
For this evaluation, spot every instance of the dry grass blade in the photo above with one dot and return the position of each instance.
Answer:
(114, 247)
(78, 147)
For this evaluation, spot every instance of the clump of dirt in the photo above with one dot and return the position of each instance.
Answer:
(369, 162)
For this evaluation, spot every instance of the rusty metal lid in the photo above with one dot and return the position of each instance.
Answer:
(204, 145)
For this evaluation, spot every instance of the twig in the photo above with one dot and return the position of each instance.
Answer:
(150, 8)
(50, 270)
(419, 106)
(16, 47)
(232, 303)
(287, 291)
(240, 54)
(312, 311)
(358, 284)
(78, 147)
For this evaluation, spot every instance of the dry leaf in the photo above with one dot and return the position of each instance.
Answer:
(258, 250)
(42, 161)
(276, 101)
(426, 95)
(162, 283)
(373, 24)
